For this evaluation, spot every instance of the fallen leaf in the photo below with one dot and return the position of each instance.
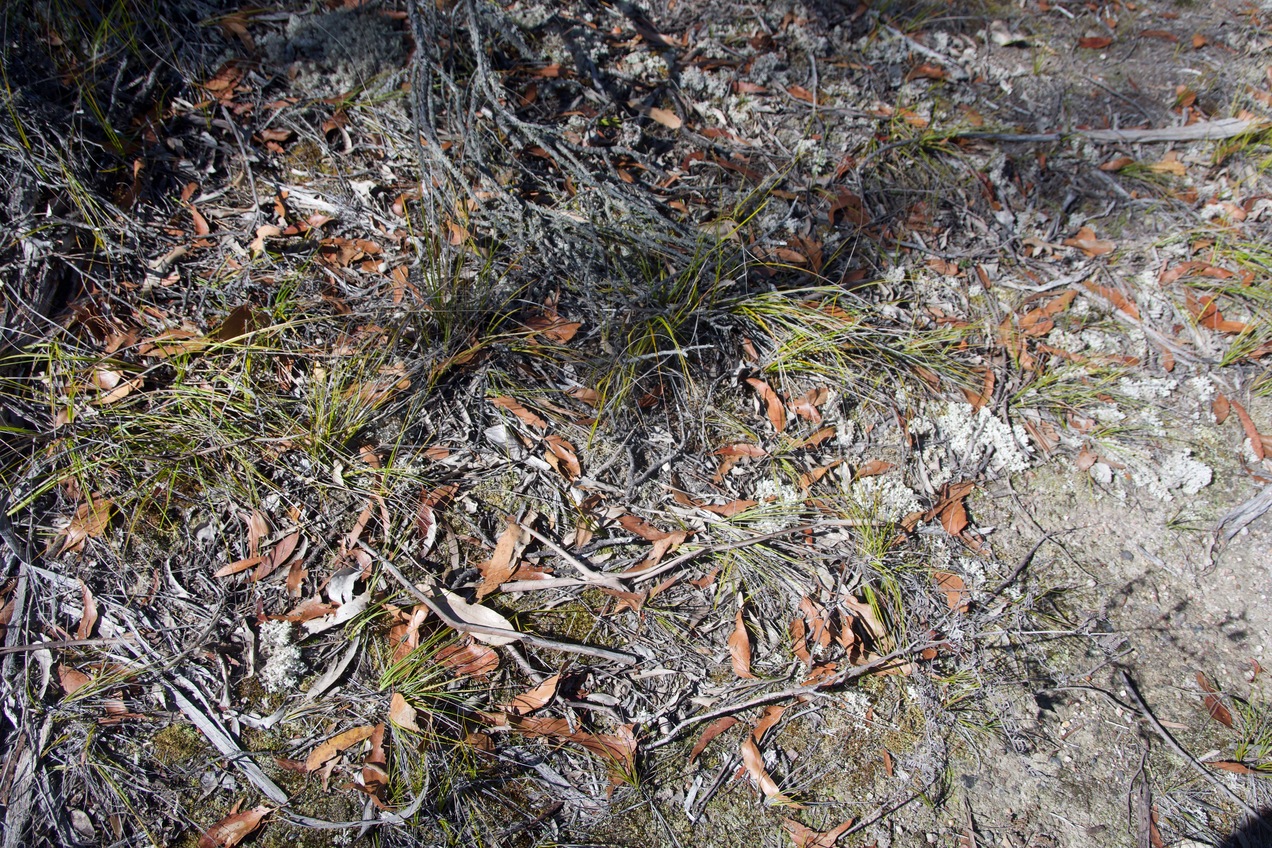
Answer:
(1095, 42)
(238, 565)
(805, 837)
(1252, 432)
(402, 714)
(1169, 164)
(771, 715)
(1233, 766)
(483, 616)
(776, 410)
(713, 730)
(1220, 408)
(642, 528)
(90, 521)
(665, 117)
(729, 509)
(72, 680)
(1214, 704)
(1117, 164)
(742, 449)
(233, 829)
(498, 569)
(564, 451)
(201, 227)
(799, 640)
(956, 594)
(872, 468)
(740, 649)
(754, 762)
(816, 438)
(926, 71)
(801, 93)
(618, 749)
(88, 620)
(518, 409)
(469, 660)
(333, 746)
(1086, 241)
(536, 698)
(806, 405)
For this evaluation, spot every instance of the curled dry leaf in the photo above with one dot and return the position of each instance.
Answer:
(754, 762)
(805, 837)
(773, 403)
(536, 698)
(233, 829)
(90, 521)
(806, 405)
(619, 749)
(1214, 704)
(564, 454)
(402, 714)
(1252, 432)
(1086, 241)
(1220, 408)
(772, 713)
(872, 468)
(956, 594)
(518, 409)
(469, 660)
(499, 568)
(238, 565)
(71, 679)
(729, 509)
(333, 746)
(740, 649)
(713, 730)
(89, 619)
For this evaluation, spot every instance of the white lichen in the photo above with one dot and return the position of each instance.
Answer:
(284, 665)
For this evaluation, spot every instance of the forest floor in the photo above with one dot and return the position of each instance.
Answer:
(582, 423)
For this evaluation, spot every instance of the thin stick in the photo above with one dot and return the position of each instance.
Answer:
(467, 627)
(784, 694)
(589, 575)
(1181, 751)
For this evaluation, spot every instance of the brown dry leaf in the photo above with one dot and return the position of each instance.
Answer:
(1116, 298)
(1214, 704)
(871, 623)
(810, 478)
(237, 566)
(740, 649)
(90, 521)
(729, 509)
(1220, 408)
(799, 640)
(754, 762)
(499, 568)
(816, 438)
(642, 528)
(201, 226)
(1086, 241)
(1169, 164)
(805, 837)
(801, 93)
(1095, 42)
(518, 409)
(402, 714)
(776, 410)
(1252, 432)
(1232, 766)
(666, 117)
(771, 715)
(565, 453)
(661, 548)
(713, 730)
(1117, 163)
(618, 749)
(872, 468)
(233, 829)
(956, 594)
(333, 746)
(469, 660)
(633, 601)
(89, 619)
(926, 70)
(585, 395)
(536, 698)
(805, 406)
(71, 679)
(257, 527)
(1086, 458)
(742, 449)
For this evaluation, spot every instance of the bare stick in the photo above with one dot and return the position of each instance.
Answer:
(589, 575)
(785, 694)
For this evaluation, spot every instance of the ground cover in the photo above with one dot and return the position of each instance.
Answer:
(584, 423)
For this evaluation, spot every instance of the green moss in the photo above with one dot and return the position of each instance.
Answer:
(177, 743)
